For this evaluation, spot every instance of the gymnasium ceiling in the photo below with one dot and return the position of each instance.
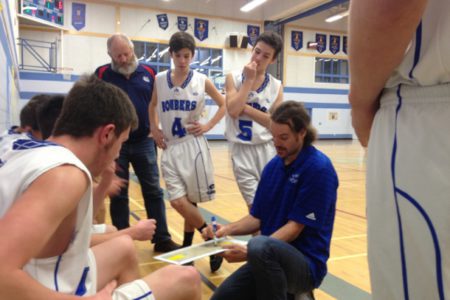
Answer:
(316, 11)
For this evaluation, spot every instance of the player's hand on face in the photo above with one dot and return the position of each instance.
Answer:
(234, 253)
(144, 230)
(250, 71)
(197, 129)
(158, 137)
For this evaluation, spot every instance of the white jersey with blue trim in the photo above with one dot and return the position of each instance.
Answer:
(179, 105)
(20, 166)
(8, 137)
(243, 129)
(428, 52)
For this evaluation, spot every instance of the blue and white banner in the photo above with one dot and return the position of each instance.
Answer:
(182, 23)
(344, 44)
(296, 40)
(78, 15)
(252, 33)
(163, 21)
(335, 43)
(321, 40)
(201, 29)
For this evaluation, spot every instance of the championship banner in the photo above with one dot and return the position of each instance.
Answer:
(344, 44)
(252, 33)
(296, 40)
(78, 15)
(335, 43)
(163, 21)
(182, 23)
(201, 29)
(321, 40)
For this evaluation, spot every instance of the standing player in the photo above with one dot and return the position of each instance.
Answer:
(251, 94)
(179, 99)
(400, 97)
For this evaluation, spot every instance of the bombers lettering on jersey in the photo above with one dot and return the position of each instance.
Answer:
(176, 104)
(257, 106)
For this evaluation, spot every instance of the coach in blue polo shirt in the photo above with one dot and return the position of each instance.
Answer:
(137, 81)
(294, 209)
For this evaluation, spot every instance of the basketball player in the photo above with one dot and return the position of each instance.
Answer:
(178, 102)
(400, 97)
(251, 94)
(46, 210)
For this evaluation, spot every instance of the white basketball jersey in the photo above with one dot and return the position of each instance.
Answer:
(179, 105)
(243, 129)
(8, 137)
(20, 165)
(427, 59)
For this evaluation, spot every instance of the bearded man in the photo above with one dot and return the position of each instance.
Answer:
(136, 80)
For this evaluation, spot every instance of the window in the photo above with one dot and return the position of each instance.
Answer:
(331, 70)
(206, 60)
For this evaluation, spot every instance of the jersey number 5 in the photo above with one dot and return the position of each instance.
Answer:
(245, 126)
(177, 128)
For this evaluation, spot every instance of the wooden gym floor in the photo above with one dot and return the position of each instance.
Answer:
(348, 276)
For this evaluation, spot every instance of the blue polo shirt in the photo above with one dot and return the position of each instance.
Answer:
(304, 192)
(139, 88)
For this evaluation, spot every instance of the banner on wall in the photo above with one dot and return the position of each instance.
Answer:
(252, 33)
(201, 29)
(321, 40)
(296, 40)
(344, 44)
(163, 21)
(335, 43)
(78, 15)
(182, 23)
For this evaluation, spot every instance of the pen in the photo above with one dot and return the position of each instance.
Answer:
(214, 229)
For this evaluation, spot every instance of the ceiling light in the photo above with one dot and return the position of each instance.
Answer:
(337, 17)
(251, 5)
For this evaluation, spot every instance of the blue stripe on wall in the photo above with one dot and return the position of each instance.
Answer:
(29, 95)
(303, 90)
(212, 137)
(46, 76)
(326, 105)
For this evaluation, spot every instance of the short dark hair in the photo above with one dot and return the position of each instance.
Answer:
(47, 113)
(29, 111)
(92, 103)
(272, 39)
(180, 40)
(294, 114)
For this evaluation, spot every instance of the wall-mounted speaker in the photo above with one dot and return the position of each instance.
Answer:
(233, 41)
(244, 42)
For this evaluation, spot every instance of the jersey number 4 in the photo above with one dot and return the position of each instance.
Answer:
(245, 126)
(177, 128)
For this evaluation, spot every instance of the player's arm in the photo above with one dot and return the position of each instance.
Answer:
(31, 228)
(141, 231)
(197, 128)
(379, 35)
(154, 120)
(236, 100)
(289, 232)
(260, 117)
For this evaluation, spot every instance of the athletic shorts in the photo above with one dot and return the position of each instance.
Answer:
(248, 164)
(408, 194)
(188, 171)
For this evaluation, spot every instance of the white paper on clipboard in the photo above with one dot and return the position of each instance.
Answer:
(197, 251)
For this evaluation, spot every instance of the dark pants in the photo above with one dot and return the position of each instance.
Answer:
(274, 270)
(143, 158)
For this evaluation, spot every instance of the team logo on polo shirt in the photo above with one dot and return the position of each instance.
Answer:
(294, 178)
(146, 79)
